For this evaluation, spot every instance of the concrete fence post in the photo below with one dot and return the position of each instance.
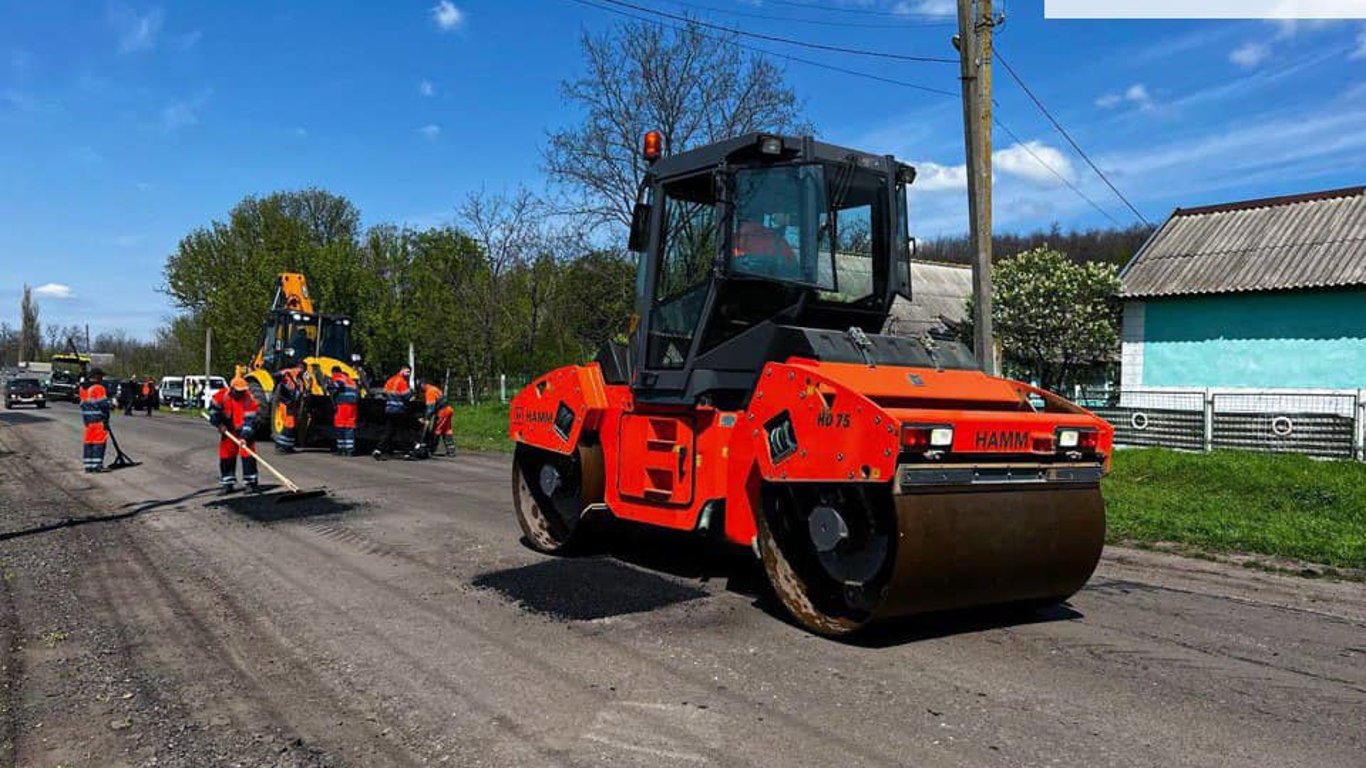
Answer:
(503, 387)
(1359, 426)
(1209, 421)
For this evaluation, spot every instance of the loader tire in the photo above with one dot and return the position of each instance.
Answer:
(263, 431)
(549, 492)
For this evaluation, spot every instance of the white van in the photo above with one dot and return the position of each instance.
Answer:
(200, 391)
(171, 390)
(189, 391)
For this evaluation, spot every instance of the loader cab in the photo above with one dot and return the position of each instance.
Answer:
(740, 243)
(289, 336)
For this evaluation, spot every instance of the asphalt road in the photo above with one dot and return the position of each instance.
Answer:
(401, 622)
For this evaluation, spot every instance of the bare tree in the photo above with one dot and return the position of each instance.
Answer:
(508, 230)
(693, 85)
(30, 330)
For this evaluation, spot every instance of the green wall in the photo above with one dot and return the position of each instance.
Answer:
(1299, 339)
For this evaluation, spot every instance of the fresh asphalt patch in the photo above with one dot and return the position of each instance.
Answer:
(269, 506)
(598, 588)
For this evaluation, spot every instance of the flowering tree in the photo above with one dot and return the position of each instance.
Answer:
(1054, 318)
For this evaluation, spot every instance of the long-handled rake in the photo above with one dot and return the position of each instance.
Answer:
(121, 459)
(294, 493)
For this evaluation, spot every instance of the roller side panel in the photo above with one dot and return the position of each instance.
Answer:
(554, 411)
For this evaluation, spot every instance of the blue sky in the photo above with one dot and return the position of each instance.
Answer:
(123, 125)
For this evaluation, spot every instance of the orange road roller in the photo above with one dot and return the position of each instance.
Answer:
(757, 401)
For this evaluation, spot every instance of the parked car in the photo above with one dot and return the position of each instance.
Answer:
(25, 391)
(172, 391)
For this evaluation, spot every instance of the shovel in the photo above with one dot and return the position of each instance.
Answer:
(121, 459)
(294, 493)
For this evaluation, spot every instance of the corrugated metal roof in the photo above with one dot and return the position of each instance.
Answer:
(1299, 241)
(940, 292)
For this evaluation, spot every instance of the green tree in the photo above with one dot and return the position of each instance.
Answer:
(30, 330)
(597, 298)
(1054, 317)
(224, 272)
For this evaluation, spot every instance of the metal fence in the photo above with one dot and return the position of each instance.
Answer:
(476, 389)
(1326, 424)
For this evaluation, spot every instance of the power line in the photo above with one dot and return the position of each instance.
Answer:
(1030, 151)
(1018, 81)
(783, 40)
(767, 52)
(868, 76)
(884, 24)
(861, 11)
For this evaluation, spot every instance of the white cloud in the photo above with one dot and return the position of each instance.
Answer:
(1360, 52)
(1288, 28)
(1250, 54)
(447, 16)
(926, 8)
(54, 291)
(426, 88)
(182, 114)
(1136, 94)
(430, 131)
(1032, 162)
(137, 32)
(301, 132)
(933, 177)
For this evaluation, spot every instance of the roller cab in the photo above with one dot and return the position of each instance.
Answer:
(756, 401)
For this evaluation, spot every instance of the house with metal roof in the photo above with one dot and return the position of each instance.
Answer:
(1256, 296)
(939, 300)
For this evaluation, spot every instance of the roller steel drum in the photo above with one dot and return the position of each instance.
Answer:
(945, 549)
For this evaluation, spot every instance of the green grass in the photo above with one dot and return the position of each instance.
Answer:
(1233, 501)
(482, 427)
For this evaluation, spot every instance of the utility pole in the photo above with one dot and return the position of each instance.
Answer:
(975, 22)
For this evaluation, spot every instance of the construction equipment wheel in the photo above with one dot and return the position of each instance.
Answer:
(550, 492)
(263, 426)
(828, 550)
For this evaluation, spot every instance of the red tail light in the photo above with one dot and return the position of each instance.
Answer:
(926, 437)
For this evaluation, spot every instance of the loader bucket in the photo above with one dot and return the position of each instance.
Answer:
(944, 549)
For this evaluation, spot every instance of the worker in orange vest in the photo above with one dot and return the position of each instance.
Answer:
(149, 393)
(235, 409)
(345, 398)
(95, 407)
(397, 393)
(444, 414)
(287, 408)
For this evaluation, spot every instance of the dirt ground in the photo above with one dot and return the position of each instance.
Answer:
(399, 621)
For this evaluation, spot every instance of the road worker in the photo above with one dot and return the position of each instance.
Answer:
(95, 408)
(437, 416)
(132, 387)
(233, 412)
(345, 398)
(291, 388)
(397, 393)
(149, 394)
(442, 429)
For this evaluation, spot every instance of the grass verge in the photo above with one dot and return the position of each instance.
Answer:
(1284, 506)
(482, 427)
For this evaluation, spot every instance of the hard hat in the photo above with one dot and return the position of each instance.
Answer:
(239, 384)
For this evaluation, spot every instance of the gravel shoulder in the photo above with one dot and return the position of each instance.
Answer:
(400, 622)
